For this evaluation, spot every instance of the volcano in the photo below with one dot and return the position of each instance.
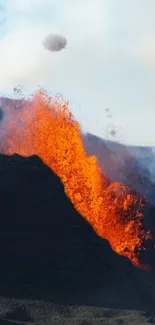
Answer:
(63, 220)
(51, 255)
(47, 128)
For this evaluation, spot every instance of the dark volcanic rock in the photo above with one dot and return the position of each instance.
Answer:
(48, 249)
(44, 242)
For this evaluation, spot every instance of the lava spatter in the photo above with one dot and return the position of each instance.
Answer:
(48, 129)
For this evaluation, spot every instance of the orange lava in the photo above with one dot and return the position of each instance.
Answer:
(48, 129)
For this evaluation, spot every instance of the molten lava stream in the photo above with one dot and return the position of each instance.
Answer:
(49, 130)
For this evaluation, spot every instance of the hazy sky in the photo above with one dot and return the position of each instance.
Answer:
(109, 61)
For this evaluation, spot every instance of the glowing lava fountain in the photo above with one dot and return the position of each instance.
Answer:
(48, 129)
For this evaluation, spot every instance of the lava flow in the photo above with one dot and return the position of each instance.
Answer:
(48, 129)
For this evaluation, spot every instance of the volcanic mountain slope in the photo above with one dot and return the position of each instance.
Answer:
(50, 253)
(126, 164)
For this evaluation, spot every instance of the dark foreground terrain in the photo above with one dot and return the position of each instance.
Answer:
(54, 269)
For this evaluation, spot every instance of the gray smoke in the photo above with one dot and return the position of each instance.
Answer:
(54, 42)
(148, 163)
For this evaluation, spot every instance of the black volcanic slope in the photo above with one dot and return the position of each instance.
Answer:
(48, 251)
(44, 242)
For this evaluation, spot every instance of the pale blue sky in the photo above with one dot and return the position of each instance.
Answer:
(109, 60)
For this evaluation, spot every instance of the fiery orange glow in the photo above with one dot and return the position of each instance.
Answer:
(47, 128)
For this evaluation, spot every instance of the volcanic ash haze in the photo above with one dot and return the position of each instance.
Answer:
(48, 129)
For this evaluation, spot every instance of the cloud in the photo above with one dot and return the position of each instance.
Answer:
(22, 58)
(108, 62)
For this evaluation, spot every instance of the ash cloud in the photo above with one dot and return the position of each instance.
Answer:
(54, 43)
